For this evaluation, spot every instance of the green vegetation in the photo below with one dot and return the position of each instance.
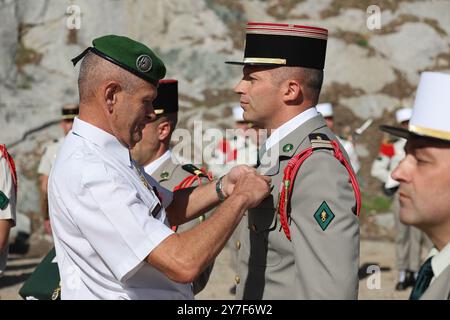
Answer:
(25, 56)
(375, 204)
(362, 43)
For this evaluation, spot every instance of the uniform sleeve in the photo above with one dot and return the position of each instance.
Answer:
(116, 222)
(7, 187)
(326, 245)
(45, 164)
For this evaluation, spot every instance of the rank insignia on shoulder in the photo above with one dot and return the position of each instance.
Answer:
(3, 201)
(324, 215)
(320, 141)
(193, 170)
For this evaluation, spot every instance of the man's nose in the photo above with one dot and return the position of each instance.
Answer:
(399, 173)
(239, 88)
(152, 115)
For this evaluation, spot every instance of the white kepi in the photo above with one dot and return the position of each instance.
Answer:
(403, 114)
(431, 112)
(326, 109)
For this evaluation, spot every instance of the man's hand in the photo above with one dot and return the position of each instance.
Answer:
(230, 179)
(253, 187)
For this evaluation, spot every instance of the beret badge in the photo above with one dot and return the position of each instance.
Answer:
(144, 63)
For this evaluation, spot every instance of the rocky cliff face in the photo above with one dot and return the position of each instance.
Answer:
(368, 73)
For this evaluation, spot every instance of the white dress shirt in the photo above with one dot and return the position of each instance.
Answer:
(153, 166)
(106, 220)
(286, 128)
(440, 260)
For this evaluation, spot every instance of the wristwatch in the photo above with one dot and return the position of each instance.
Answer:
(219, 191)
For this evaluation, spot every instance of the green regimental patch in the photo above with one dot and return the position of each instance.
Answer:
(324, 215)
(164, 175)
(3, 201)
(287, 147)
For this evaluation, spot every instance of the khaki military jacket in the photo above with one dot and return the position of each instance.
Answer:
(49, 156)
(169, 175)
(322, 260)
(439, 288)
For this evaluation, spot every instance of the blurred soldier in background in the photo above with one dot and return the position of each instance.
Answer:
(407, 238)
(154, 154)
(326, 109)
(69, 112)
(8, 196)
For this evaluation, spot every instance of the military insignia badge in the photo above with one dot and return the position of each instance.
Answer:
(3, 201)
(288, 147)
(144, 63)
(324, 215)
(164, 175)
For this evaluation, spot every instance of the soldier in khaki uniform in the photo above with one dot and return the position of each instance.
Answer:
(302, 242)
(424, 176)
(8, 196)
(154, 154)
(68, 113)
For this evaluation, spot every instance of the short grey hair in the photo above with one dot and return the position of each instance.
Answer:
(95, 70)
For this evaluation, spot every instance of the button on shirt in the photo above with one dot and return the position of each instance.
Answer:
(106, 221)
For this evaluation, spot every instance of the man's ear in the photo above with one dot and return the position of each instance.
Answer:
(164, 129)
(110, 94)
(293, 92)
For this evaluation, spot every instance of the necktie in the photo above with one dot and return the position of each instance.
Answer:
(423, 280)
(259, 154)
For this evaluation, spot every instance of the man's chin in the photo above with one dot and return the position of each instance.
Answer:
(135, 140)
(406, 217)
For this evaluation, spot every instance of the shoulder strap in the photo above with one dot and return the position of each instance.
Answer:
(196, 175)
(195, 171)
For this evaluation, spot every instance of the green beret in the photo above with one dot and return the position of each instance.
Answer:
(128, 54)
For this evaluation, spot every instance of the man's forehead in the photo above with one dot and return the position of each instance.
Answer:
(147, 90)
(250, 69)
(426, 144)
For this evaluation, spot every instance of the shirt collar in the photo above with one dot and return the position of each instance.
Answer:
(102, 139)
(154, 165)
(286, 128)
(441, 260)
